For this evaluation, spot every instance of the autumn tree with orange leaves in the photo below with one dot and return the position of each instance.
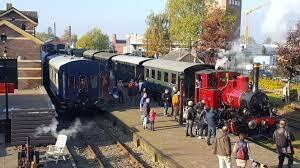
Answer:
(288, 60)
(216, 27)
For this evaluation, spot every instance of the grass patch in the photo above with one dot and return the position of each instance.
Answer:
(297, 146)
(275, 100)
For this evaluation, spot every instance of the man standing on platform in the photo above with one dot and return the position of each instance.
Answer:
(166, 97)
(283, 140)
(222, 148)
(175, 104)
(190, 119)
(212, 120)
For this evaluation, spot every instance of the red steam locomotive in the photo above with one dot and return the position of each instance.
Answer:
(240, 107)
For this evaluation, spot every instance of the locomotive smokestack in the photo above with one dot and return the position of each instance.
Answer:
(255, 76)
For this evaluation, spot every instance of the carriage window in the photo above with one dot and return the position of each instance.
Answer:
(166, 77)
(94, 81)
(173, 81)
(71, 82)
(212, 80)
(158, 75)
(147, 73)
(223, 79)
(153, 74)
(82, 83)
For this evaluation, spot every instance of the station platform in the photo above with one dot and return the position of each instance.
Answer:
(169, 145)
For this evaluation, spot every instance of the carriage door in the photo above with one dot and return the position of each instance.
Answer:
(64, 84)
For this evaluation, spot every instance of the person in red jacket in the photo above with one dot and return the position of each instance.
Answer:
(152, 118)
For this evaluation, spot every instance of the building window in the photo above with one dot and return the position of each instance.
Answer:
(173, 79)
(94, 81)
(153, 74)
(158, 75)
(71, 82)
(147, 73)
(166, 77)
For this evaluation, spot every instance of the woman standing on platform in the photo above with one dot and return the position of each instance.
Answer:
(242, 150)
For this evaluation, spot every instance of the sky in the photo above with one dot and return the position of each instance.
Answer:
(115, 16)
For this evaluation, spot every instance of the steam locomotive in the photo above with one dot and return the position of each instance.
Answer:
(240, 107)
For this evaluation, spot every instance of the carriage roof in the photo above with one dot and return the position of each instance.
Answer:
(171, 65)
(104, 55)
(90, 53)
(130, 59)
(59, 61)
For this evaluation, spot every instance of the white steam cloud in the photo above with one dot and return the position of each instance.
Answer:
(281, 16)
(72, 131)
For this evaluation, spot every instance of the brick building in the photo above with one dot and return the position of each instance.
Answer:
(118, 45)
(17, 30)
(236, 7)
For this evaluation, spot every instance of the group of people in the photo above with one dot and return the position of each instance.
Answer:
(206, 120)
(222, 148)
(131, 91)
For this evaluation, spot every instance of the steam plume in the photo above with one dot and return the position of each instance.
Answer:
(281, 15)
(72, 131)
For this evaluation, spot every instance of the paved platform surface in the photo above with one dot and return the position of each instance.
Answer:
(25, 99)
(170, 139)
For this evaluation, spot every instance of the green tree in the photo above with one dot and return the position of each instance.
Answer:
(185, 17)
(93, 40)
(217, 27)
(43, 36)
(156, 38)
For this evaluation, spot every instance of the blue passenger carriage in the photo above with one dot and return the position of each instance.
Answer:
(74, 81)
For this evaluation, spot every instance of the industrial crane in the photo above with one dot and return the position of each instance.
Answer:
(247, 13)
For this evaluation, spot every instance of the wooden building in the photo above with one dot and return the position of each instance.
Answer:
(17, 30)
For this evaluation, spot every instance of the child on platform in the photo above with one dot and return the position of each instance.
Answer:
(152, 118)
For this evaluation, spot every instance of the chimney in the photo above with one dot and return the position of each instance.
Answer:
(9, 6)
(114, 38)
(255, 76)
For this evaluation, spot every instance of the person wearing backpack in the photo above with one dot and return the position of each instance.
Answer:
(203, 123)
(241, 149)
(283, 140)
(222, 148)
(190, 116)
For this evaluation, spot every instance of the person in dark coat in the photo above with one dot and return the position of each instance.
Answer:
(283, 139)
(212, 120)
(190, 119)
(198, 108)
(202, 125)
(166, 97)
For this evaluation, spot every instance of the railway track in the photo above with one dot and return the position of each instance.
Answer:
(98, 148)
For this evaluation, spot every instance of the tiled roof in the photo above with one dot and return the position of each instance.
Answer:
(175, 55)
(33, 15)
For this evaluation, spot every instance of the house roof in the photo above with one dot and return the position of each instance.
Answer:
(130, 59)
(171, 65)
(19, 30)
(31, 16)
(175, 55)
